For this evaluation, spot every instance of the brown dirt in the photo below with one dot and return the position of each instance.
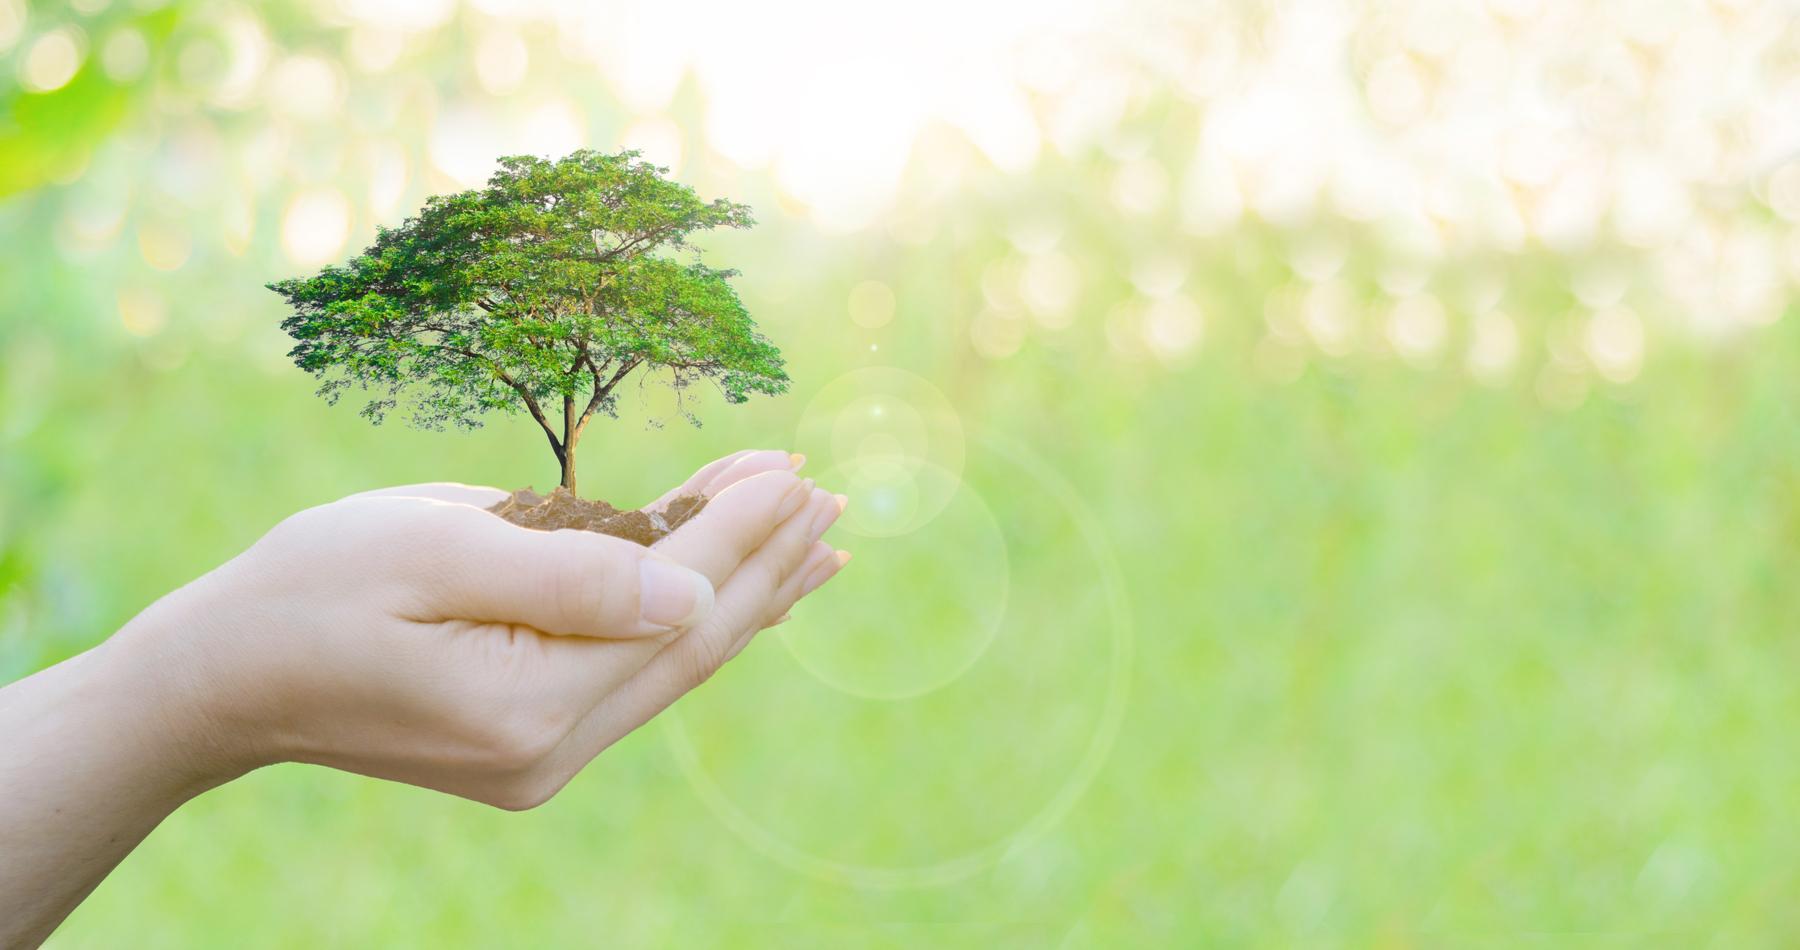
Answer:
(559, 509)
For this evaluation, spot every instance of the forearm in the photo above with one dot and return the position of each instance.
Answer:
(91, 760)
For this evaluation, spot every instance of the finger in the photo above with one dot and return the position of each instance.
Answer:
(806, 580)
(471, 565)
(821, 565)
(594, 673)
(735, 523)
(713, 477)
(714, 467)
(753, 464)
(584, 671)
(839, 561)
(698, 480)
(480, 496)
(744, 602)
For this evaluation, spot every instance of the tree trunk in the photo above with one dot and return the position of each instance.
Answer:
(568, 470)
(570, 434)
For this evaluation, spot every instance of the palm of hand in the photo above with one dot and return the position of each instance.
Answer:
(500, 690)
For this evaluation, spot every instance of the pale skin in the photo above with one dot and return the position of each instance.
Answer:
(404, 634)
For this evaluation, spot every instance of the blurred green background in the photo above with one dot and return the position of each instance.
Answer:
(1356, 476)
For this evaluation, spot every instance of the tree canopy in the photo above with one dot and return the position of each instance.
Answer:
(542, 291)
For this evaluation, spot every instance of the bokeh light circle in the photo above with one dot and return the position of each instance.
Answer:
(1109, 579)
(901, 648)
(888, 435)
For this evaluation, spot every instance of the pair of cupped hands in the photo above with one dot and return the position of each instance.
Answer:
(409, 634)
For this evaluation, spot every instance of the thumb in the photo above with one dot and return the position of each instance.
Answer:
(569, 583)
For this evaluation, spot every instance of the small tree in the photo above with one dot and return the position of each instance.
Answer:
(545, 287)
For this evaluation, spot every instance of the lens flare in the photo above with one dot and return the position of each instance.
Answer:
(907, 647)
(888, 435)
(874, 682)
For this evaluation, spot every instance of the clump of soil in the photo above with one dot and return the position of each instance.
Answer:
(560, 509)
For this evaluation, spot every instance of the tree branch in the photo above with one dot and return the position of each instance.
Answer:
(531, 403)
(633, 243)
(537, 413)
(601, 391)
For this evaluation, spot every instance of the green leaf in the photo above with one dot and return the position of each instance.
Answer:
(556, 281)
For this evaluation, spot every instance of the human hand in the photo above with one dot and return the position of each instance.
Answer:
(408, 634)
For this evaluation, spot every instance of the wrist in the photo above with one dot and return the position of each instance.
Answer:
(153, 680)
(100, 748)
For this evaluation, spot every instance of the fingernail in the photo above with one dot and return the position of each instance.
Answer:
(843, 502)
(672, 595)
(795, 460)
(778, 621)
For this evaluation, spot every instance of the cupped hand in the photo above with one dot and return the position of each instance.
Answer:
(408, 634)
